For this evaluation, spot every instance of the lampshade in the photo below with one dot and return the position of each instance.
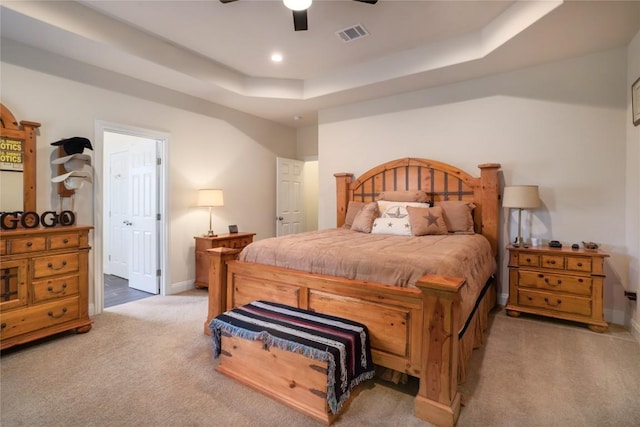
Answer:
(209, 197)
(297, 4)
(521, 196)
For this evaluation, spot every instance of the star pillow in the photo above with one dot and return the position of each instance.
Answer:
(426, 221)
(397, 226)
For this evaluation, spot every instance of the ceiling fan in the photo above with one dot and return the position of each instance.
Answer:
(299, 9)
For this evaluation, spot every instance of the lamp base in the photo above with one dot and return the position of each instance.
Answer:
(210, 233)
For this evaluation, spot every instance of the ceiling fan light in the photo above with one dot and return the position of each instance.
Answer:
(297, 4)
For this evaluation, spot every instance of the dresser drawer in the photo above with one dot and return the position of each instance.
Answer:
(27, 244)
(579, 264)
(55, 264)
(17, 322)
(553, 261)
(556, 282)
(63, 241)
(555, 302)
(60, 287)
(528, 260)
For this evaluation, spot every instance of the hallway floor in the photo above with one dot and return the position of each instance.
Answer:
(117, 291)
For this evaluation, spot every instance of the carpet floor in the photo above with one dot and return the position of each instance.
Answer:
(147, 363)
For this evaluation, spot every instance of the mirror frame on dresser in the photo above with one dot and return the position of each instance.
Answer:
(24, 131)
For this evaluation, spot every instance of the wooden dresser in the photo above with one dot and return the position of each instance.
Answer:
(558, 282)
(44, 283)
(233, 241)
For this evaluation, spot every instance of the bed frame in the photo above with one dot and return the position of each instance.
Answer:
(415, 331)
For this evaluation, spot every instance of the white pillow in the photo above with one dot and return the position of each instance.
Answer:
(389, 209)
(397, 226)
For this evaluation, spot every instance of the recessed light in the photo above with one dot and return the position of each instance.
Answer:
(276, 57)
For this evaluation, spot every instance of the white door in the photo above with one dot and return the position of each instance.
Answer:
(119, 231)
(289, 215)
(143, 268)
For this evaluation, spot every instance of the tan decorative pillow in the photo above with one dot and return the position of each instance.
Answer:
(426, 221)
(389, 209)
(404, 196)
(458, 215)
(363, 221)
(352, 210)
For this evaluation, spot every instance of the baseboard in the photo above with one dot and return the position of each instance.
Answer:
(176, 288)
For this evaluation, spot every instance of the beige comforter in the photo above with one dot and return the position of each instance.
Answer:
(381, 258)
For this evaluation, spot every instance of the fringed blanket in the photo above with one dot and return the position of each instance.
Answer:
(342, 343)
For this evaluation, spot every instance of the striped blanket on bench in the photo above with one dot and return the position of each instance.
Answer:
(342, 343)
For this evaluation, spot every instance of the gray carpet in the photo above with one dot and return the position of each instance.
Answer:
(147, 363)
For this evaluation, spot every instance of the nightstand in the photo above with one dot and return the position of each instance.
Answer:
(233, 241)
(557, 282)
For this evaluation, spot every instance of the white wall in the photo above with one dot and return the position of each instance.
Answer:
(633, 186)
(209, 146)
(560, 126)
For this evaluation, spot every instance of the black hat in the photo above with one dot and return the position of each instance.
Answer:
(74, 145)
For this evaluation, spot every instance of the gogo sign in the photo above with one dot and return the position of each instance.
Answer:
(10, 220)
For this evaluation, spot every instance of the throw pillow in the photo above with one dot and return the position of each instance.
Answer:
(396, 226)
(426, 221)
(363, 221)
(458, 215)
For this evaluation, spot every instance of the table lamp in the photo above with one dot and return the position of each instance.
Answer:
(520, 197)
(209, 198)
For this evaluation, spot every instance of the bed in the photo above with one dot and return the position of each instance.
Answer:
(425, 326)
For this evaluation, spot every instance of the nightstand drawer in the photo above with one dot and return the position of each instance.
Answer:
(556, 282)
(553, 261)
(528, 260)
(236, 243)
(555, 302)
(579, 264)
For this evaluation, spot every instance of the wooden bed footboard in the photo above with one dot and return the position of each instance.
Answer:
(412, 330)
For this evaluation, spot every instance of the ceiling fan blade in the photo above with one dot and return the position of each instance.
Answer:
(364, 1)
(227, 1)
(300, 20)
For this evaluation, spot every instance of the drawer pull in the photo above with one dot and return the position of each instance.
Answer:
(552, 262)
(50, 265)
(528, 260)
(4, 325)
(29, 244)
(548, 282)
(553, 305)
(579, 264)
(50, 289)
(65, 241)
(64, 311)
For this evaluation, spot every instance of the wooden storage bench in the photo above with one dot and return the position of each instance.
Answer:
(308, 361)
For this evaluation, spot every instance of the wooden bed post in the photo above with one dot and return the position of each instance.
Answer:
(438, 399)
(342, 196)
(490, 203)
(218, 282)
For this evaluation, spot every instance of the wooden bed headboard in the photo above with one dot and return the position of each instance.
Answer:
(440, 181)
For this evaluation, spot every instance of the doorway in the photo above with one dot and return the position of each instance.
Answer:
(131, 222)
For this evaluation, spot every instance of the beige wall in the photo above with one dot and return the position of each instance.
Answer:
(208, 146)
(560, 126)
(633, 186)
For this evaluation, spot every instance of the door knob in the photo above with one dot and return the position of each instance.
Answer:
(128, 223)
(280, 218)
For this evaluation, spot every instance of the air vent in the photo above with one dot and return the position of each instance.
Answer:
(352, 33)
